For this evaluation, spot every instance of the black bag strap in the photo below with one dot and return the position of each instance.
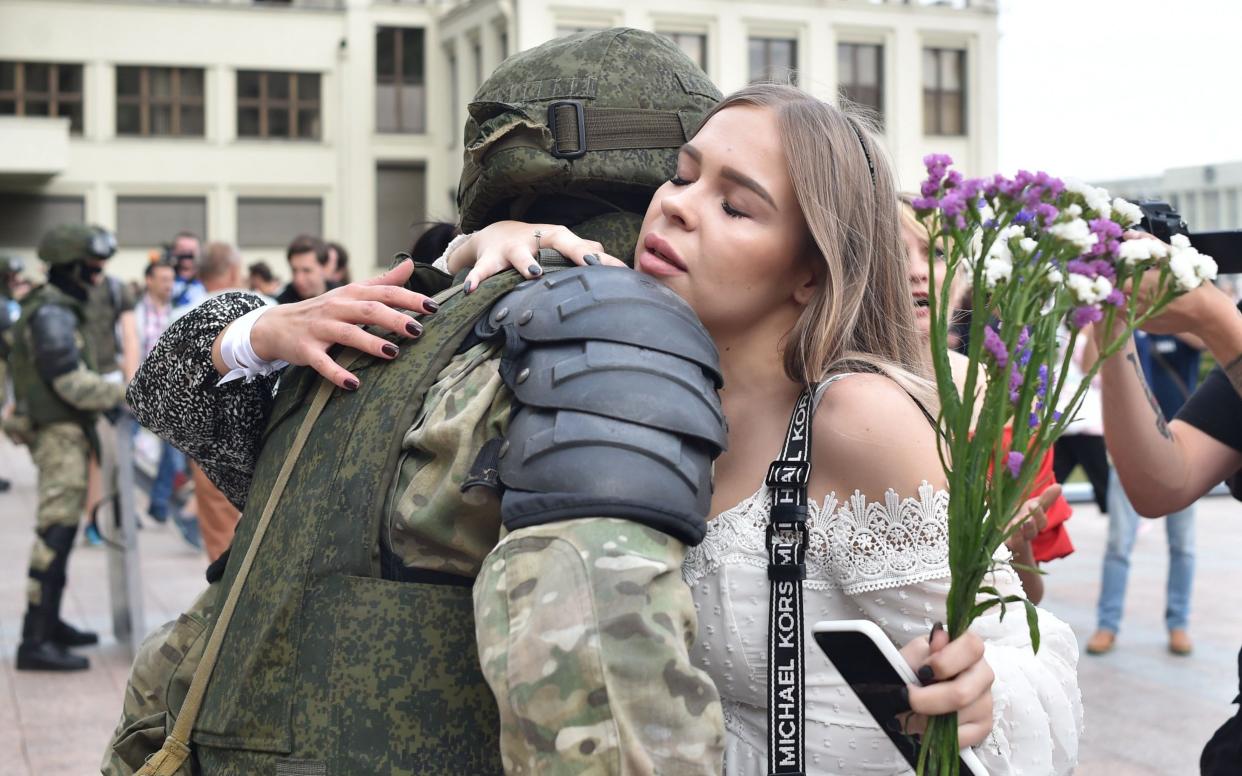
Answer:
(787, 539)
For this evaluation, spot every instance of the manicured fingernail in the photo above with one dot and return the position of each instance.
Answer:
(939, 626)
(414, 328)
(431, 305)
(535, 270)
(390, 350)
(351, 384)
(591, 259)
(469, 286)
(926, 674)
(903, 698)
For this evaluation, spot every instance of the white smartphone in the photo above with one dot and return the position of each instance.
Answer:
(874, 670)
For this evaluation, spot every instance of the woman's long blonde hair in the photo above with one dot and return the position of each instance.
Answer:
(861, 314)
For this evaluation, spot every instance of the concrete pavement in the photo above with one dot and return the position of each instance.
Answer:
(1148, 713)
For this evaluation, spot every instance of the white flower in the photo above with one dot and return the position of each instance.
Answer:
(996, 269)
(1096, 198)
(1086, 290)
(1179, 241)
(1189, 267)
(986, 213)
(1076, 232)
(1134, 252)
(1127, 213)
(1074, 210)
(1054, 277)
(1027, 244)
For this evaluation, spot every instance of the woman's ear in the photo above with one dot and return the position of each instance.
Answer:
(808, 280)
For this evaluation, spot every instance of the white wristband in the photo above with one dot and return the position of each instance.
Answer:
(239, 356)
(442, 262)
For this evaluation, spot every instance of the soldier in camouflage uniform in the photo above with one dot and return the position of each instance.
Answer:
(583, 625)
(61, 395)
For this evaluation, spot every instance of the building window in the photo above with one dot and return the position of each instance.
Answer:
(25, 217)
(146, 222)
(860, 75)
(400, 86)
(476, 53)
(400, 204)
(692, 44)
(504, 41)
(159, 101)
(264, 222)
(284, 105)
(773, 59)
(42, 89)
(944, 91)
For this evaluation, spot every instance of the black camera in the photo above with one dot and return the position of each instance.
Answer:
(1162, 221)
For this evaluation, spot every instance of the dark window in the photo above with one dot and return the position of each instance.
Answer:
(944, 91)
(25, 217)
(773, 59)
(264, 222)
(400, 85)
(159, 101)
(144, 222)
(693, 44)
(860, 75)
(400, 203)
(284, 105)
(42, 89)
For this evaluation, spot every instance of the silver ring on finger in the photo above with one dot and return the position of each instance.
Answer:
(538, 237)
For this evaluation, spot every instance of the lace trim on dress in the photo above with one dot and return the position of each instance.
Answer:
(856, 545)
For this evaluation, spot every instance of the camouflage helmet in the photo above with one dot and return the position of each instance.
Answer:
(590, 123)
(66, 243)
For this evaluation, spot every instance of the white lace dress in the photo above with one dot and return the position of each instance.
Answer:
(886, 562)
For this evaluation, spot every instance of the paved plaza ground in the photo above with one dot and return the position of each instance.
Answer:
(1148, 713)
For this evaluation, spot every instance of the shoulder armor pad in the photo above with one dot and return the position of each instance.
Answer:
(608, 304)
(53, 330)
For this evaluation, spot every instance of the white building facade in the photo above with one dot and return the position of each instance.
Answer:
(1208, 197)
(254, 120)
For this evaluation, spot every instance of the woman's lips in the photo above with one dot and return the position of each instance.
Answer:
(654, 264)
(661, 250)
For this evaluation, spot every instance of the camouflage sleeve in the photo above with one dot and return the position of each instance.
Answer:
(87, 390)
(584, 629)
(176, 395)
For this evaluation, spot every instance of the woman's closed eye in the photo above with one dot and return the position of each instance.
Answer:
(677, 180)
(731, 211)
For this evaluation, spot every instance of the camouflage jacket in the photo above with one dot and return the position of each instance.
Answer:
(583, 626)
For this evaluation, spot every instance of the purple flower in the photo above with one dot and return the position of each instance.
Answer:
(1041, 387)
(1024, 216)
(925, 203)
(1086, 315)
(1047, 213)
(1013, 462)
(1080, 267)
(1033, 421)
(994, 345)
(1116, 298)
(1015, 383)
(1109, 234)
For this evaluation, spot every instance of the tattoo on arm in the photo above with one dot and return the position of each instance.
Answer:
(1162, 425)
(1233, 370)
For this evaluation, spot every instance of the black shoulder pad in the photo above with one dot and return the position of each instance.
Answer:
(52, 330)
(609, 304)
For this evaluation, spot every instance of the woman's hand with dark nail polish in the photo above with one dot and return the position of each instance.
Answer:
(390, 350)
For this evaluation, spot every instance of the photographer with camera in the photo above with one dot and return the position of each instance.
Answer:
(1167, 465)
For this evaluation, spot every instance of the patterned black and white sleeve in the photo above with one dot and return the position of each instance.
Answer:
(176, 394)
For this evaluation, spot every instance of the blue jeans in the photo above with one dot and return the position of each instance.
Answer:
(1123, 524)
(172, 461)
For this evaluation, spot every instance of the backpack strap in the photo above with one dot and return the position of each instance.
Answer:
(171, 758)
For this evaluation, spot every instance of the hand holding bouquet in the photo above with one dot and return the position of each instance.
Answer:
(1041, 255)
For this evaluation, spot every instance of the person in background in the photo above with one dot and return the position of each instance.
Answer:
(10, 311)
(263, 281)
(59, 395)
(221, 272)
(1082, 444)
(1172, 375)
(154, 313)
(432, 243)
(338, 261)
(184, 253)
(308, 264)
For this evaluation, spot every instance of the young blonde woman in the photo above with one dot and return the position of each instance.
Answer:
(781, 229)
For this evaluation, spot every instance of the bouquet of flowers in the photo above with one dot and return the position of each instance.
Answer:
(1042, 256)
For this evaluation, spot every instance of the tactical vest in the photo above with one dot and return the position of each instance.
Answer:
(34, 396)
(326, 662)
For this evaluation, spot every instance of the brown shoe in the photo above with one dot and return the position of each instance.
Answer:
(1179, 642)
(1101, 642)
